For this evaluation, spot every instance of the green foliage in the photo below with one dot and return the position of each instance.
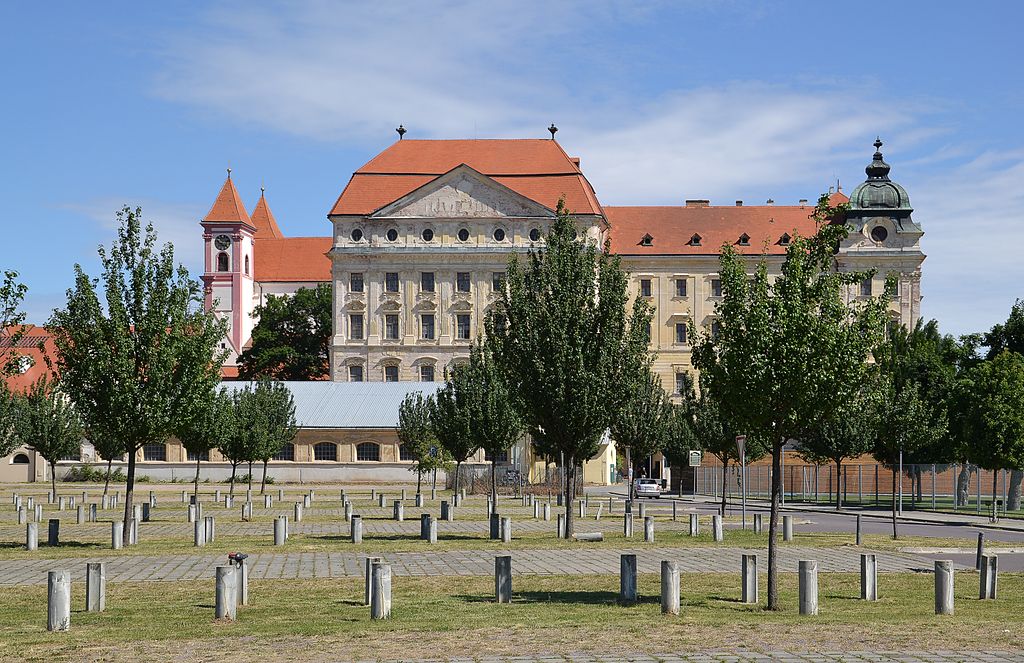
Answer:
(992, 410)
(48, 423)
(245, 478)
(416, 434)
(263, 421)
(564, 340)
(207, 426)
(645, 418)
(90, 474)
(450, 416)
(12, 319)
(8, 419)
(136, 349)
(1008, 335)
(292, 340)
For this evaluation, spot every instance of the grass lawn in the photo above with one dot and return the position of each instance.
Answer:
(447, 617)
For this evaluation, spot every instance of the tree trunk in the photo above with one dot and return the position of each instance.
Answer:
(106, 484)
(129, 494)
(263, 480)
(458, 464)
(963, 485)
(773, 528)
(630, 479)
(895, 533)
(494, 487)
(234, 468)
(570, 491)
(1013, 492)
(419, 479)
(195, 489)
(250, 475)
(920, 483)
(53, 479)
(995, 489)
(839, 483)
(725, 482)
(435, 480)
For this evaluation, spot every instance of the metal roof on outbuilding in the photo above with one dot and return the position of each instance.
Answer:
(325, 404)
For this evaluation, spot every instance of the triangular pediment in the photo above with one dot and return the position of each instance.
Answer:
(463, 193)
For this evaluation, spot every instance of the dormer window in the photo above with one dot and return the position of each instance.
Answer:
(646, 240)
(695, 240)
(744, 240)
(785, 239)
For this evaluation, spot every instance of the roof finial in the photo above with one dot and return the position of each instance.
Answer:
(878, 169)
(401, 131)
(553, 129)
(263, 187)
(229, 172)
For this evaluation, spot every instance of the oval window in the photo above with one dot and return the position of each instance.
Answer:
(356, 235)
(499, 235)
(535, 235)
(392, 235)
(427, 235)
(879, 233)
(463, 235)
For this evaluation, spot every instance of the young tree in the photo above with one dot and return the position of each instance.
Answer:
(273, 424)
(107, 447)
(235, 445)
(8, 420)
(450, 419)
(564, 339)
(206, 428)
(292, 340)
(136, 349)
(1009, 336)
(790, 351)
(644, 420)
(416, 434)
(48, 423)
(12, 320)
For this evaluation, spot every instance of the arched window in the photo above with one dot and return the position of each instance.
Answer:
(20, 459)
(287, 452)
(246, 265)
(325, 451)
(222, 262)
(368, 451)
(405, 453)
(154, 452)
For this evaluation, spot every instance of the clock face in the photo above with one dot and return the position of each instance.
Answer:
(222, 242)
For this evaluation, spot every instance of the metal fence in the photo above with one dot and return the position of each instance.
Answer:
(954, 487)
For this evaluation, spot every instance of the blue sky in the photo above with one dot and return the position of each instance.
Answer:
(147, 104)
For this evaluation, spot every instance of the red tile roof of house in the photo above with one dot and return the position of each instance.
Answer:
(263, 220)
(28, 346)
(672, 228)
(536, 168)
(292, 259)
(228, 205)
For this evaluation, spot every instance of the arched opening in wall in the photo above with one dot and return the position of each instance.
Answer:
(222, 262)
(154, 452)
(247, 265)
(325, 451)
(369, 451)
(20, 459)
(287, 452)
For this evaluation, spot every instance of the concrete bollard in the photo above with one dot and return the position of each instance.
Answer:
(787, 528)
(506, 529)
(560, 527)
(191, 513)
(494, 526)
(22, 516)
(868, 577)
(226, 605)
(116, 534)
(694, 524)
(279, 531)
(248, 495)
(79, 515)
(583, 509)
(38, 512)
(242, 581)
(58, 600)
(943, 587)
(95, 587)
(547, 511)
(398, 510)
(92, 513)
(648, 529)
(312, 496)
(368, 563)
(268, 502)
(981, 551)
(433, 494)
(858, 539)
(758, 523)
(133, 532)
(348, 511)
(53, 532)
(105, 502)
(61, 503)
(749, 578)
(247, 511)
(306, 502)
(380, 500)
(503, 579)
(808, 587)
(356, 529)
(989, 577)
(32, 536)
(199, 534)
(229, 501)
(643, 510)
(297, 512)
(424, 526)
(184, 497)
(627, 525)
(380, 601)
(211, 528)
(419, 501)
(445, 510)
(216, 495)
(280, 494)
(403, 494)
(536, 510)
(146, 513)
(716, 528)
(137, 512)
(432, 531)
(51, 497)
(373, 494)
(669, 588)
(627, 578)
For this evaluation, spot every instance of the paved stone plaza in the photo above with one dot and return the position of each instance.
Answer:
(781, 656)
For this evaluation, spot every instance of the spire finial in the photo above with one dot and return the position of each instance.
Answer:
(878, 143)
(878, 169)
(553, 129)
(401, 131)
(229, 172)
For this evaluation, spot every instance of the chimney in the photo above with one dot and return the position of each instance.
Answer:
(698, 203)
(803, 201)
(739, 203)
(575, 160)
(770, 202)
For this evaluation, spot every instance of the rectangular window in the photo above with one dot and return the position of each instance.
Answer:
(865, 287)
(462, 326)
(355, 282)
(426, 281)
(427, 326)
(716, 329)
(391, 327)
(716, 287)
(462, 282)
(497, 281)
(355, 326)
(681, 332)
(355, 373)
(154, 452)
(391, 282)
(193, 457)
(680, 287)
(680, 382)
(427, 373)
(645, 287)
(647, 332)
(391, 373)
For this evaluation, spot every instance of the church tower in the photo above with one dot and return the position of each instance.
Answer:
(884, 237)
(228, 258)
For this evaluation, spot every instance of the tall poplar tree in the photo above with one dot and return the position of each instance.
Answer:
(450, 418)
(791, 350)
(564, 338)
(136, 349)
(416, 433)
(272, 423)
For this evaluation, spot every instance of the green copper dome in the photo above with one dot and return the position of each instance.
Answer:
(878, 192)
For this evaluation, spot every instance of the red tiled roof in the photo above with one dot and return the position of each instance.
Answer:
(292, 259)
(536, 168)
(228, 205)
(672, 228)
(838, 198)
(263, 220)
(28, 346)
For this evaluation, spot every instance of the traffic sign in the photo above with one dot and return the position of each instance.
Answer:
(695, 457)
